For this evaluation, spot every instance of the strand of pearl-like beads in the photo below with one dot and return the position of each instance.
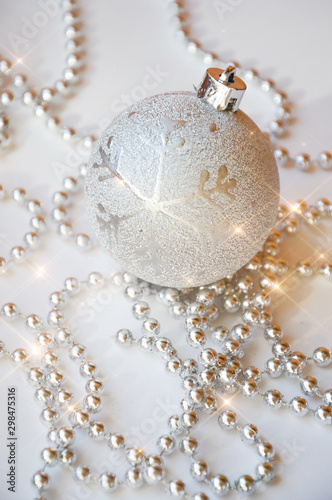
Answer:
(283, 111)
(63, 438)
(165, 442)
(41, 100)
(196, 336)
(31, 239)
(152, 471)
(61, 201)
(219, 484)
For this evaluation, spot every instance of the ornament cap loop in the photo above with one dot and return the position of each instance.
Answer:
(222, 89)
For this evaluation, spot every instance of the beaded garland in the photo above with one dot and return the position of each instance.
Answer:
(210, 371)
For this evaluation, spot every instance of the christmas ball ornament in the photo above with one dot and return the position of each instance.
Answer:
(182, 189)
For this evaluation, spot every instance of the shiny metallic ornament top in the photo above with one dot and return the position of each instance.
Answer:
(222, 89)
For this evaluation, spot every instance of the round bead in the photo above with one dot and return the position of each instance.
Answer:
(189, 420)
(49, 415)
(34, 322)
(299, 406)
(325, 160)
(274, 367)
(82, 473)
(95, 279)
(83, 241)
(231, 303)
(145, 343)
(327, 398)
(64, 397)
(227, 420)
(50, 359)
(265, 471)
(188, 445)
(166, 444)
(96, 430)
(309, 386)
(35, 376)
(232, 348)
(252, 373)
(135, 456)
(116, 442)
(150, 326)
(63, 337)
(174, 423)
(50, 456)
(60, 198)
(249, 388)
(303, 161)
(219, 334)
(72, 286)
(292, 367)
(18, 254)
(251, 316)
(134, 478)
(193, 321)
(55, 317)
(304, 268)
(241, 332)
(76, 351)
(265, 450)
(273, 399)
(323, 415)
(79, 418)
(59, 214)
(92, 403)
(94, 385)
(249, 434)
(325, 269)
(208, 357)
(108, 481)
(55, 378)
(196, 337)
(219, 485)
(199, 470)
(88, 369)
(66, 436)
(281, 349)
(9, 311)
(176, 488)
(65, 230)
(67, 457)
(245, 484)
(153, 474)
(41, 480)
(141, 310)
(227, 375)
(19, 356)
(44, 395)
(174, 365)
(322, 356)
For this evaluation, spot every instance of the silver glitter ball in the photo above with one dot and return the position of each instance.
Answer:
(181, 194)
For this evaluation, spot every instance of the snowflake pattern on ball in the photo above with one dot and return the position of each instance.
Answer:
(224, 185)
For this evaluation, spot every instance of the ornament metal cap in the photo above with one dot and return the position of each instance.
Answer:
(222, 89)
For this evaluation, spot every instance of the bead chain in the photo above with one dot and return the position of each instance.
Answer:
(31, 239)
(283, 110)
(213, 372)
(14, 86)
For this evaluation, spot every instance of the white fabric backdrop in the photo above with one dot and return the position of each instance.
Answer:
(126, 41)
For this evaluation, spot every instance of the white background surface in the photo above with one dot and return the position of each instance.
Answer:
(289, 42)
